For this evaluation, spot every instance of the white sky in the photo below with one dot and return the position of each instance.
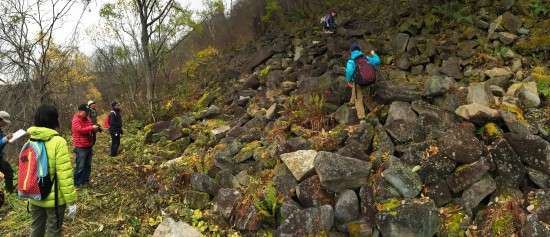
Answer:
(89, 18)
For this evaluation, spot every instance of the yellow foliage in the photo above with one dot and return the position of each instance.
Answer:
(190, 67)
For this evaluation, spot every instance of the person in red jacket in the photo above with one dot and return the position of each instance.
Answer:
(83, 131)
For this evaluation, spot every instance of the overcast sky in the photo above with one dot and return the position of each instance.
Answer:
(72, 26)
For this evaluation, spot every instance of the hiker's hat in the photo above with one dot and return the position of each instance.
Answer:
(5, 116)
(354, 47)
(114, 103)
(83, 107)
(91, 102)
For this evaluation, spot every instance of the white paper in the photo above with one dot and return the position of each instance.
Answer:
(17, 135)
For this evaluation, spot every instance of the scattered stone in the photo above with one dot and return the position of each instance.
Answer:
(170, 228)
(460, 144)
(311, 193)
(477, 113)
(538, 177)
(338, 173)
(473, 195)
(467, 174)
(204, 183)
(409, 183)
(227, 200)
(440, 193)
(532, 150)
(409, 219)
(510, 169)
(435, 168)
(437, 85)
(300, 163)
(400, 122)
(347, 206)
(308, 222)
(534, 228)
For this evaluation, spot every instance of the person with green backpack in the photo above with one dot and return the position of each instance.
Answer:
(47, 215)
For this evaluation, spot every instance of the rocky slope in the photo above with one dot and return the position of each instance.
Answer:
(456, 142)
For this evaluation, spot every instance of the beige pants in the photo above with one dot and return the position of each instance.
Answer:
(357, 98)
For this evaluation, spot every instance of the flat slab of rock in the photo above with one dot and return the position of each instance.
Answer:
(477, 192)
(400, 176)
(477, 113)
(410, 219)
(300, 163)
(170, 228)
(308, 222)
(510, 169)
(464, 178)
(338, 173)
(460, 144)
(533, 150)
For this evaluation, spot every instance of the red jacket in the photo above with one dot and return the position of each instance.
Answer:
(82, 132)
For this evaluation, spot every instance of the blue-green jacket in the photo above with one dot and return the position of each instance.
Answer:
(350, 66)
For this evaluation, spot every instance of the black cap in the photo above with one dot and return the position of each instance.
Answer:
(83, 107)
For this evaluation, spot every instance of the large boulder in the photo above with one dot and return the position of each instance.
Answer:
(347, 206)
(170, 228)
(400, 176)
(312, 194)
(510, 169)
(460, 144)
(338, 173)
(300, 163)
(466, 175)
(472, 196)
(532, 150)
(312, 221)
(477, 113)
(400, 122)
(410, 219)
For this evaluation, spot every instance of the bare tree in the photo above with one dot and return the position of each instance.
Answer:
(151, 27)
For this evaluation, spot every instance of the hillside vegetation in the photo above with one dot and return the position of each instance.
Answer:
(258, 138)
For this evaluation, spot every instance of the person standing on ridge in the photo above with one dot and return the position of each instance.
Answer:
(329, 24)
(356, 91)
(92, 113)
(115, 127)
(83, 131)
(5, 167)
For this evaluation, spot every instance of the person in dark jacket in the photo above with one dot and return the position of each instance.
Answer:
(5, 167)
(115, 127)
(83, 131)
(329, 23)
(92, 114)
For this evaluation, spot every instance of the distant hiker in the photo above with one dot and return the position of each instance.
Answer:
(92, 113)
(5, 167)
(47, 219)
(83, 132)
(357, 93)
(115, 127)
(328, 22)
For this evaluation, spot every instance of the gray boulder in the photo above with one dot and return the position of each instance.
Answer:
(338, 173)
(538, 177)
(534, 228)
(347, 206)
(437, 85)
(532, 150)
(412, 219)
(346, 115)
(227, 200)
(300, 163)
(511, 23)
(386, 93)
(170, 228)
(477, 113)
(460, 144)
(400, 176)
(354, 149)
(204, 183)
(439, 193)
(478, 94)
(473, 195)
(464, 177)
(422, 107)
(451, 67)
(510, 169)
(311, 193)
(400, 122)
(435, 168)
(308, 222)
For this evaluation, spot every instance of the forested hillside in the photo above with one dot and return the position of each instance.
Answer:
(237, 120)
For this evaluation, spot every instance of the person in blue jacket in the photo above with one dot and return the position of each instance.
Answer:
(357, 91)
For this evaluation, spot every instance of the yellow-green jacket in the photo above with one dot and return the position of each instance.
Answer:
(58, 162)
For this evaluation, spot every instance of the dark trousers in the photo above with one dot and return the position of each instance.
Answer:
(115, 143)
(6, 169)
(83, 167)
(44, 221)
